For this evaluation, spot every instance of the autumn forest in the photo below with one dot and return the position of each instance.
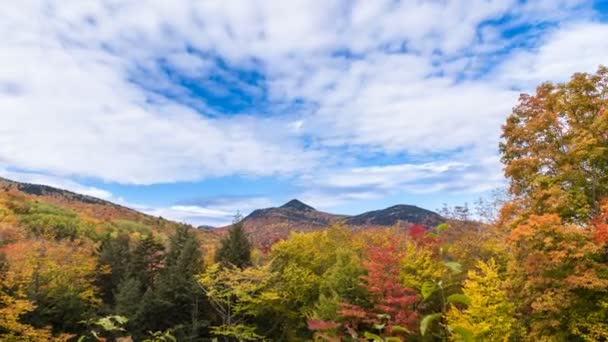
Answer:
(527, 264)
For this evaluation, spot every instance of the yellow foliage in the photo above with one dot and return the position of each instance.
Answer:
(419, 265)
(489, 315)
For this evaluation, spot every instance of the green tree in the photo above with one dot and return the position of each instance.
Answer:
(235, 248)
(176, 301)
(146, 261)
(113, 265)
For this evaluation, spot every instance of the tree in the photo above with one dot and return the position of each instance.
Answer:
(489, 314)
(389, 306)
(558, 278)
(175, 300)
(235, 248)
(57, 277)
(13, 305)
(555, 147)
(239, 296)
(113, 265)
(341, 283)
(146, 261)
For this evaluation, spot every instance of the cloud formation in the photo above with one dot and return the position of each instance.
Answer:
(171, 91)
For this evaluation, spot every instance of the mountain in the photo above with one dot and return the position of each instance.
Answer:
(266, 226)
(23, 206)
(395, 215)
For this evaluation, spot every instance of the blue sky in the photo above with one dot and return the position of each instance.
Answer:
(193, 110)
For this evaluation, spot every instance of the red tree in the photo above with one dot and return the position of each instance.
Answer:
(391, 302)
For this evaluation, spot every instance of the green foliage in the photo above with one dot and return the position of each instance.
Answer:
(235, 248)
(238, 297)
(427, 321)
(128, 226)
(43, 219)
(101, 329)
(175, 300)
(114, 256)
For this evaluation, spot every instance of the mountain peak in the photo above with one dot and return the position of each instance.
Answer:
(297, 204)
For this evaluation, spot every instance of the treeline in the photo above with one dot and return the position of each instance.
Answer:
(532, 266)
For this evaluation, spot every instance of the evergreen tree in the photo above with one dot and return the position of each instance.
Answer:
(146, 261)
(235, 248)
(128, 297)
(113, 265)
(176, 299)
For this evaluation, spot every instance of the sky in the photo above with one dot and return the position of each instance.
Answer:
(194, 110)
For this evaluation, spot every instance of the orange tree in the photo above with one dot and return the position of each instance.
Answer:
(555, 147)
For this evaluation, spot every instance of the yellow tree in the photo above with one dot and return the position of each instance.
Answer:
(238, 296)
(56, 277)
(489, 314)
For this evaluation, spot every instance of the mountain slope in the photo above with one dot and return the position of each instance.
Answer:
(397, 214)
(266, 226)
(29, 208)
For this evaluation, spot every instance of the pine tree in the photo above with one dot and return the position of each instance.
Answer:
(146, 261)
(128, 296)
(175, 301)
(113, 265)
(235, 248)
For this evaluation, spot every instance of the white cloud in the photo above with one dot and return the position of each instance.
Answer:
(211, 211)
(80, 84)
(191, 214)
(579, 47)
(77, 114)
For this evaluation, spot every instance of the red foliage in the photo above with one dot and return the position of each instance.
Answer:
(382, 282)
(600, 225)
(417, 233)
(315, 324)
(392, 304)
(423, 237)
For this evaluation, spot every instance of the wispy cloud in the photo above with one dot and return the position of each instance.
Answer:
(174, 91)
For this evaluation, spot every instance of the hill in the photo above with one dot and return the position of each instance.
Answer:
(266, 226)
(23, 203)
(395, 215)
(39, 209)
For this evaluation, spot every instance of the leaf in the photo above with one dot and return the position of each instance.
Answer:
(459, 298)
(466, 334)
(379, 326)
(400, 329)
(442, 227)
(392, 339)
(454, 266)
(431, 236)
(427, 320)
(427, 289)
(374, 337)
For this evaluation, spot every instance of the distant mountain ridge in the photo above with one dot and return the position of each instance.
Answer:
(266, 226)
(396, 214)
(45, 190)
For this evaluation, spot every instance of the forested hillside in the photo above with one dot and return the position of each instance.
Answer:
(532, 266)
